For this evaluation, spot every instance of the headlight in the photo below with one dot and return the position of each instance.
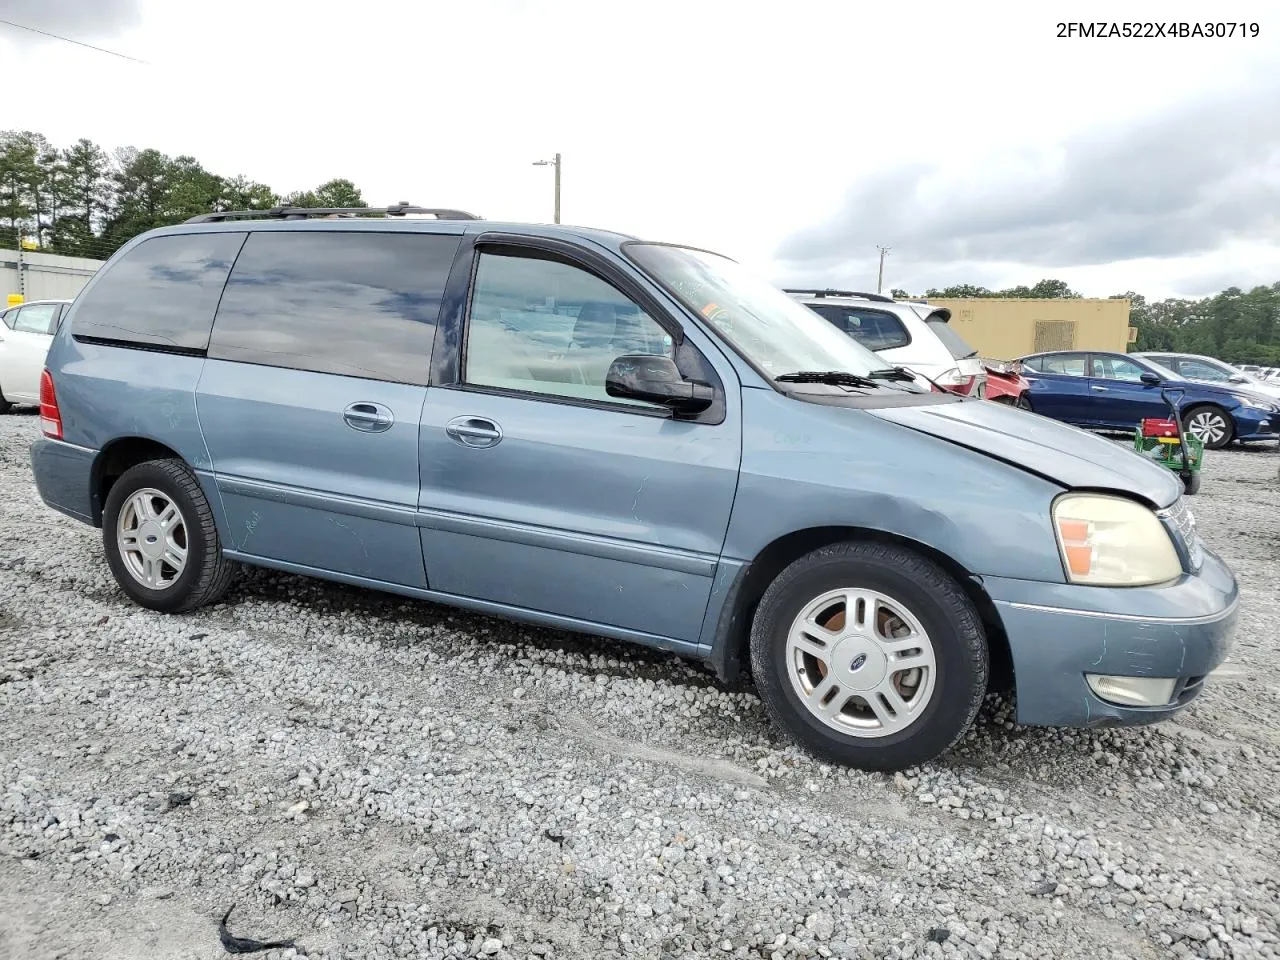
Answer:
(1258, 404)
(1113, 542)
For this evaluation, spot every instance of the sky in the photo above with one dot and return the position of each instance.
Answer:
(969, 139)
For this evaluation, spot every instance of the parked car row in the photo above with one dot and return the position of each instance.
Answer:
(1262, 373)
(628, 438)
(1092, 389)
(1114, 391)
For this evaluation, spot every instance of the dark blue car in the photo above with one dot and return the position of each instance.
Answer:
(1092, 388)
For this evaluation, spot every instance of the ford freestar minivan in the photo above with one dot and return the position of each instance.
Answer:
(630, 439)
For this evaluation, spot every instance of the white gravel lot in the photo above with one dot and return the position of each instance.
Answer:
(383, 778)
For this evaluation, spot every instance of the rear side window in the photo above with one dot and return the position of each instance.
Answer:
(955, 344)
(36, 318)
(351, 303)
(874, 329)
(1066, 364)
(162, 293)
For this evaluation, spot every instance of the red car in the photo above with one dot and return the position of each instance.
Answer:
(1005, 383)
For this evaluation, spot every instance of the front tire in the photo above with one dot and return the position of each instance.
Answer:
(1210, 425)
(869, 655)
(160, 538)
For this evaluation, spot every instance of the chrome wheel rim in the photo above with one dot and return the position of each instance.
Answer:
(152, 537)
(861, 662)
(1208, 427)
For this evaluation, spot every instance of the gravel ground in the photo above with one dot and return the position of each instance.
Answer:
(382, 778)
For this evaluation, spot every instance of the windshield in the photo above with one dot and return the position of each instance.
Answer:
(775, 333)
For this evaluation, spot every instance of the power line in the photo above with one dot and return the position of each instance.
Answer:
(81, 43)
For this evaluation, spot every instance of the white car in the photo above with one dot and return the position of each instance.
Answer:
(917, 336)
(1193, 366)
(24, 341)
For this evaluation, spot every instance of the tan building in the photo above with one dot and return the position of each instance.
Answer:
(1003, 329)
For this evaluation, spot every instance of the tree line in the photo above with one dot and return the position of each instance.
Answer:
(82, 201)
(1236, 325)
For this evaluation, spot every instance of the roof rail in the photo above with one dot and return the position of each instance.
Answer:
(879, 298)
(308, 213)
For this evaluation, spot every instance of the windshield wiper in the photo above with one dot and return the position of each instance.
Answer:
(892, 373)
(835, 377)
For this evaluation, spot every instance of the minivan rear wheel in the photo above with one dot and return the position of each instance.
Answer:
(160, 538)
(870, 655)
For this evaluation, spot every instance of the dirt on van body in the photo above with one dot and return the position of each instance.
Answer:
(378, 777)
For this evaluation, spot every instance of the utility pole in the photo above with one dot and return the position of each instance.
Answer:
(880, 278)
(553, 163)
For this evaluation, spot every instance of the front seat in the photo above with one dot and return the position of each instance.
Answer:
(591, 348)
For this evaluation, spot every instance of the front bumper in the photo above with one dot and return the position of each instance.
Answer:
(1058, 633)
(1253, 424)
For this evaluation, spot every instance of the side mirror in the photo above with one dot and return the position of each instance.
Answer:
(655, 379)
(1238, 378)
(1152, 379)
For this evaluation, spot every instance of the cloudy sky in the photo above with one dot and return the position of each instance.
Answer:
(795, 135)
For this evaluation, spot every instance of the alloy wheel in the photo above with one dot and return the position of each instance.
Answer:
(861, 663)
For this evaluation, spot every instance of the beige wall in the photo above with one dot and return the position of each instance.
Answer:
(1004, 329)
(45, 276)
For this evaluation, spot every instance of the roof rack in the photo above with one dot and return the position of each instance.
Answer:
(308, 213)
(879, 298)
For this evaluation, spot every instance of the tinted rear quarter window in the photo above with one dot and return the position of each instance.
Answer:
(161, 293)
(352, 303)
(954, 343)
(874, 329)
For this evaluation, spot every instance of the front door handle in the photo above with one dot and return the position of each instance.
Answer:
(1098, 388)
(474, 431)
(368, 417)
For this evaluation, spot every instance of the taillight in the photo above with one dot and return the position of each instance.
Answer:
(50, 415)
(955, 381)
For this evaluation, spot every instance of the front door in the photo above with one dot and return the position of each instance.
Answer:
(542, 492)
(1124, 399)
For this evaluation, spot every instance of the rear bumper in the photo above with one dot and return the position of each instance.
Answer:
(1058, 634)
(63, 474)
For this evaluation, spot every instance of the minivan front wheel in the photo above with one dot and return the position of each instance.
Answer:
(870, 655)
(160, 538)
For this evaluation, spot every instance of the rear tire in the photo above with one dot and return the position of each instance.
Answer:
(161, 541)
(5, 405)
(848, 695)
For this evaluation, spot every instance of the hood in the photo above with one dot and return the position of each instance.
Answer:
(1236, 391)
(1066, 455)
(1268, 391)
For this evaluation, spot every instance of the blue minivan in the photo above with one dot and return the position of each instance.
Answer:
(631, 439)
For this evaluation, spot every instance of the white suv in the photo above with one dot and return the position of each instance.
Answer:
(907, 334)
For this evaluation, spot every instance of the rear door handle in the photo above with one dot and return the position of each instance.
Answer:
(474, 431)
(1098, 388)
(368, 417)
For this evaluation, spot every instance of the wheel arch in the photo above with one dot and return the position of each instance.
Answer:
(115, 458)
(733, 629)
